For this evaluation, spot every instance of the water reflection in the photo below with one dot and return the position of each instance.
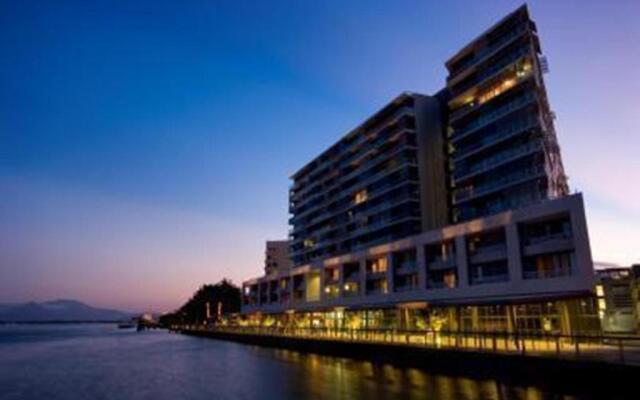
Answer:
(101, 362)
(339, 378)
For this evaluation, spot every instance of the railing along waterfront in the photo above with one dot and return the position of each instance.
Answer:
(608, 348)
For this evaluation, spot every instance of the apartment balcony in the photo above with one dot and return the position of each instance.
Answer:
(431, 284)
(352, 278)
(474, 192)
(364, 144)
(486, 119)
(360, 170)
(375, 194)
(481, 280)
(331, 281)
(498, 160)
(489, 253)
(371, 243)
(402, 164)
(341, 236)
(377, 292)
(351, 293)
(487, 52)
(491, 140)
(555, 243)
(406, 288)
(441, 264)
(375, 276)
(490, 73)
(547, 273)
(364, 229)
(476, 106)
(407, 268)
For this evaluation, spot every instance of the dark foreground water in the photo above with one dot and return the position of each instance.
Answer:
(101, 362)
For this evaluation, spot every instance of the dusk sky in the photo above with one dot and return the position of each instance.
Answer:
(145, 147)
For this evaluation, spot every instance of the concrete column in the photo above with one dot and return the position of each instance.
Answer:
(323, 296)
(390, 272)
(363, 277)
(290, 288)
(259, 302)
(421, 263)
(341, 280)
(514, 254)
(584, 263)
(462, 261)
(277, 287)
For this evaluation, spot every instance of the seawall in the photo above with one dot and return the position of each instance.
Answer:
(598, 378)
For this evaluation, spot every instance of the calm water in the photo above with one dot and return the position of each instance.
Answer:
(102, 362)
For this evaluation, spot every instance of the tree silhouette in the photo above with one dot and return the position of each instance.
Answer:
(223, 296)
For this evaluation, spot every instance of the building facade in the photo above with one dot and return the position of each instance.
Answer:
(382, 181)
(502, 142)
(635, 294)
(448, 211)
(276, 257)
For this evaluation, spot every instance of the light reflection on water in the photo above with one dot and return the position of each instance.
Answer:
(351, 379)
(102, 362)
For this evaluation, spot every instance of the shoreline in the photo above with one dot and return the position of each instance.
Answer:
(576, 376)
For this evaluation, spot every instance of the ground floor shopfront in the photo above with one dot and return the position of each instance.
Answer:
(574, 316)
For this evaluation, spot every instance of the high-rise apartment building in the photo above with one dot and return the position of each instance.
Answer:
(502, 143)
(452, 207)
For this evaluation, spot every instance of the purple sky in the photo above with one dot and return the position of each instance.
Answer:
(145, 151)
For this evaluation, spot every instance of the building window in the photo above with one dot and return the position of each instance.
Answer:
(545, 266)
(489, 272)
(361, 196)
(377, 265)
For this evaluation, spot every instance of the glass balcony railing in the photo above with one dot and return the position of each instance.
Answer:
(301, 188)
(487, 51)
(479, 280)
(439, 263)
(374, 194)
(353, 277)
(496, 184)
(488, 249)
(547, 273)
(365, 229)
(341, 177)
(497, 160)
(402, 162)
(406, 288)
(507, 132)
(487, 118)
(491, 71)
(532, 240)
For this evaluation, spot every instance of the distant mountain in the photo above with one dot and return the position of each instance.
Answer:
(58, 310)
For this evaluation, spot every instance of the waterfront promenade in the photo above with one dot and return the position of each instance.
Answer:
(614, 350)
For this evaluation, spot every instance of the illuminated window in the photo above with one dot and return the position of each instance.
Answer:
(361, 196)
(378, 265)
(599, 291)
(602, 304)
(309, 243)
(449, 279)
